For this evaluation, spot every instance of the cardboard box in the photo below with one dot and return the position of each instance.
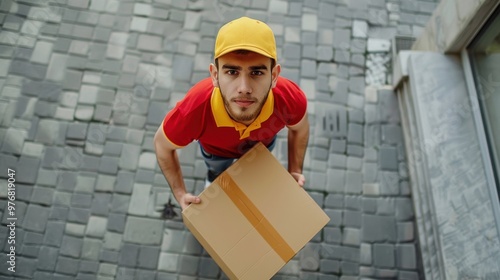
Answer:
(254, 217)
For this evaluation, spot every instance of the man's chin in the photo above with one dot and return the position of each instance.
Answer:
(243, 118)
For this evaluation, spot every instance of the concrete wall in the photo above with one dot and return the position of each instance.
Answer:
(453, 24)
(456, 201)
(455, 209)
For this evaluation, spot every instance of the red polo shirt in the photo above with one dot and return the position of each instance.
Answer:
(201, 116)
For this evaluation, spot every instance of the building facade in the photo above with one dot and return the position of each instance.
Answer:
(448, 88)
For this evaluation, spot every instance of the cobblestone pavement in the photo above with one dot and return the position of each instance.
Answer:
(84, 85)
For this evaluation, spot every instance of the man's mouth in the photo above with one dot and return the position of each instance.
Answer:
(243, 102)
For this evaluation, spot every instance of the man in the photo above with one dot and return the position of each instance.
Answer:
(243, 102)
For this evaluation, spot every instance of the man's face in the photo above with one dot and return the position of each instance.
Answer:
(244, 79)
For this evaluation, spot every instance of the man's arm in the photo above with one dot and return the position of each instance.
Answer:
(298, 137)
(168, 161)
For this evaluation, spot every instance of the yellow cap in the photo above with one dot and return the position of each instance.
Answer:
(246, 34)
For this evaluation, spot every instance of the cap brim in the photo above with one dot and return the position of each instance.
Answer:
(246, 48)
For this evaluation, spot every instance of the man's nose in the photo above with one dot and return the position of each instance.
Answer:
(244, 85)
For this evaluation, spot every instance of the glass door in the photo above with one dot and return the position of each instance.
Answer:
(484, 53)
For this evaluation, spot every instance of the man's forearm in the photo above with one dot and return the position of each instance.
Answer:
(297, 145)
(170, 166)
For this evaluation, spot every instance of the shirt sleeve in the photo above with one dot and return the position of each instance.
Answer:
(184, 123)
(293, 102)
(177, 129)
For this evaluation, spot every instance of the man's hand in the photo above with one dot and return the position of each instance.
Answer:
(300, 178)
(187, 199)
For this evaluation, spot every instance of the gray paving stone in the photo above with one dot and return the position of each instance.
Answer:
(406, 232)
(388, 109)
(168, 262)
(188, 265)
(128, 255)
(354, 163)
(67, 265)
(54, 233)
(391, 134)
(30, 251)
(124, 182)
(309, 257)
(365, 251)
(148, 257)
(27, 69)
(378, 17)
(100, 204)
(36, 218)
(77, 131)
(120, 203)
(354, 182)
(338, 146)
(336, 180)
(208, 268)
(404, 209)
(42, 195)
(129, 157)
(352, 218)
(332, 235)
(143, 231)
(96, 226)
(291, 51)
(33, 238)
(308, 68)
(139, 199)
(406, 256)
(355, 133)
(73, 229)
(144, 176)
(384, 255)
(90, 250)
(14, 141)
(62, 198)
(372, 131)
(349, 268)
(23, 193)
(334, 201)
(389, 183)
(67, 181)
(102, 113)
(388, 158)
(329, 251)
(25, 267)
(87, 266)
(91, 164)
(149, 43)
(58, 213)
(378, 228)
(81, 200)
(156, 113)
(71, 246)
(41, 53)
(78, 215)
(371, 189)
(85, 184)
(335, 217)
(47, 258)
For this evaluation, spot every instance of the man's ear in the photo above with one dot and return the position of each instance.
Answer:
(214, 75)
(274, 74)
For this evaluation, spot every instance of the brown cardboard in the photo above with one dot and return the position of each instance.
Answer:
(254, 217)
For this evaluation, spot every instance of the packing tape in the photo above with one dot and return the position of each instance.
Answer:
(255, 217)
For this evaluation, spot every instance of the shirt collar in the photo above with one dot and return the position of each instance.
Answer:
(222, 118)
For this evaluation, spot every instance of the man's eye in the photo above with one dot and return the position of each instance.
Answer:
(232, 72)
(257, 73)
